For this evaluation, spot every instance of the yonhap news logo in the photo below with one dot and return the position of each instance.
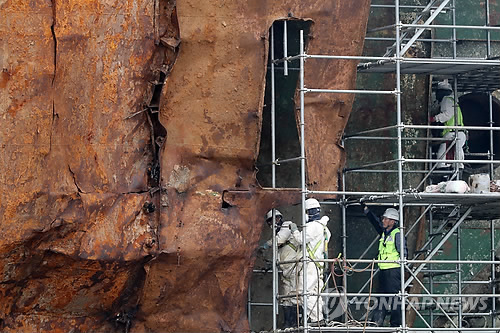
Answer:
(336, 303)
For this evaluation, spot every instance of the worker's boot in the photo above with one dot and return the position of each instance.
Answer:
(290, 316)
(320, 323)
(396, 318)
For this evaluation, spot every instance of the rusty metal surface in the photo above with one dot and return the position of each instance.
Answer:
(128, 197)
(74, 181)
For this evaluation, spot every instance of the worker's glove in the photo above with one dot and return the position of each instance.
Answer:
(293, 227)
(362, 203)
(432, 119)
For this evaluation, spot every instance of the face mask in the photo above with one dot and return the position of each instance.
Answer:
(440, 94)
(279, 223)
(313, 214)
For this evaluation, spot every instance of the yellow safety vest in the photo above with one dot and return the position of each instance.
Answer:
(451, 121)
(325, 249)
(387, 250)
(291, 245)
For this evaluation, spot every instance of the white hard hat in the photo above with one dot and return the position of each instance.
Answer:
(444, 85)
(312, 203)
(392, 214)
(269, 214)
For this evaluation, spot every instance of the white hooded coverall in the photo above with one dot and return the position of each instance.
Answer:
(317, 237)
(288, 249)
(447, 112)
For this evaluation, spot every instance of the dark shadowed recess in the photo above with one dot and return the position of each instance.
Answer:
(287, 138)
(476, 112)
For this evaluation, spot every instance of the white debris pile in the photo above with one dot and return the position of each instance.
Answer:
(479, 183)
(452, 186)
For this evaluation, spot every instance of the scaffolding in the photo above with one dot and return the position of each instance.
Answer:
(445, 213)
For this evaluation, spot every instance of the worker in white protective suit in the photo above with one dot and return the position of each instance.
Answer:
(317, 236)
(446, 116)
(288, 250)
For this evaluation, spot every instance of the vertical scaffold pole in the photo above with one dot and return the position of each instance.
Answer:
(273, 113)
(493, 278)
(454, 30)
(492, 223)
(455, 118)
(488, 32)
(459, 275)
(400, 165)
(344, 245)
(455, 86)
(431, 278)
(303, 181)
(273, 172)
(488, 55)
(491, 123)
(285, 48)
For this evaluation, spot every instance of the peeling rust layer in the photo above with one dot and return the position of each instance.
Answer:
(212, 113)
(75, 235)
(128, 197)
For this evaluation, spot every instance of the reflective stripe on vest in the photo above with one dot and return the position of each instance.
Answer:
(451, 121)
(292, 269)
(387, 250)
(291, 245)
(316, 247)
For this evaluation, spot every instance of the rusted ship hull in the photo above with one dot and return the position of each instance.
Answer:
(130, 131)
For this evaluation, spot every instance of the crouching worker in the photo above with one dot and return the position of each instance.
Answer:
(390, 274)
